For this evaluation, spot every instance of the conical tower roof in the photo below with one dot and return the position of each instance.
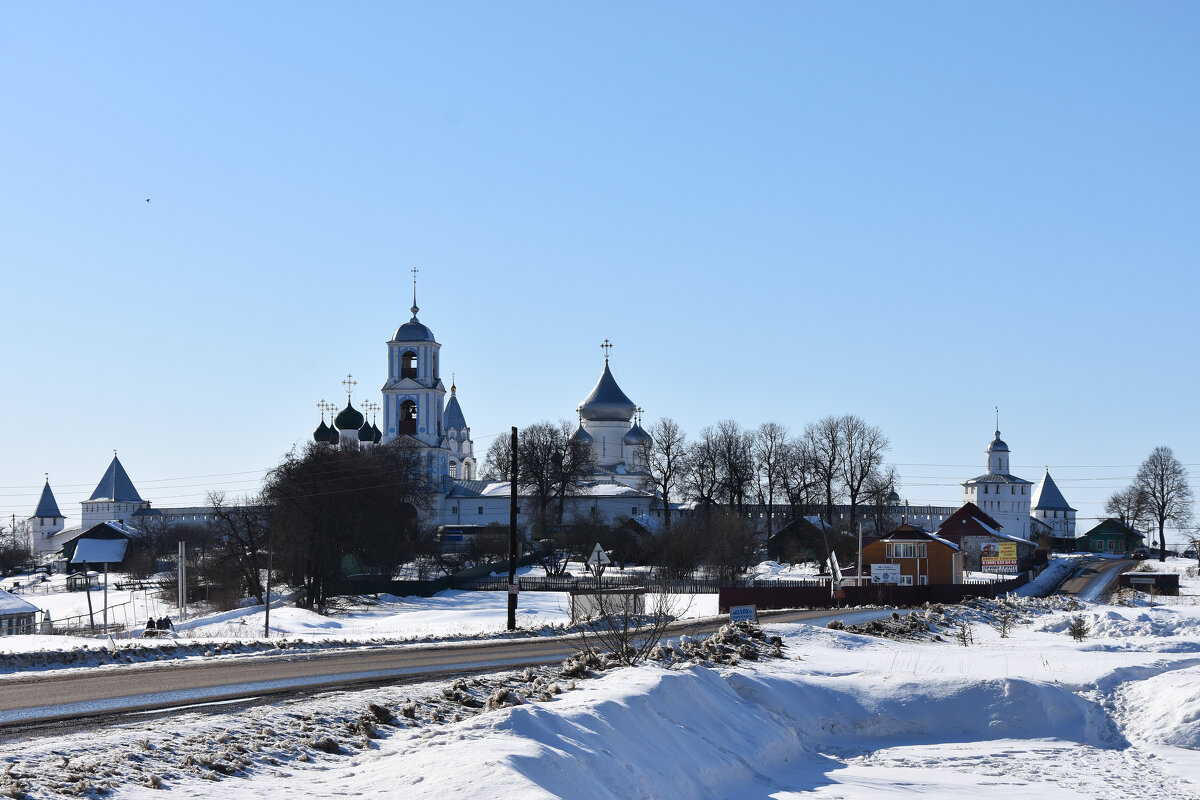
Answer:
(115, 486)
(452, 417)
(47, 507)
(1047, 497)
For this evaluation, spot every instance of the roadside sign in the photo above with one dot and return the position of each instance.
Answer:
(743, 614)
(1001, 565)
(1008, 550)
(1141, 579)
(885, 573)
(514, 588)
(598, 557)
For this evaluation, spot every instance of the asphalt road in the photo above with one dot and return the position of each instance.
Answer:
(1095, 578)
(56, 695)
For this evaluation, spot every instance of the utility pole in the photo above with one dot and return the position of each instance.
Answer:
(512, 537)
(267, 618)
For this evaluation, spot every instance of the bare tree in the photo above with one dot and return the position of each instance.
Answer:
(1164, 479)
(796, 475)
(861, 458)
(877, 492)
(1132, 507)
(703, 468)
(770, 452)
(628, 624)
(735, 462)
(241, 529)
(823, 441)
(497, 464)
(552, 467)
(664, 455)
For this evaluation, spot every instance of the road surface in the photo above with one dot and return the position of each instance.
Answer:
(1095, 578)
(55, 695)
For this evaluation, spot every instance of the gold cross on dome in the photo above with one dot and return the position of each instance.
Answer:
(606, 347)
(349, 383)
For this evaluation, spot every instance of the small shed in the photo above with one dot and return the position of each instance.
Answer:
(17, 615)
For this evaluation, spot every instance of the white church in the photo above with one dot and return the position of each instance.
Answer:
(1022, 509)
(414, 404)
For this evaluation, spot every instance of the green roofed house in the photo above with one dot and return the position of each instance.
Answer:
(1111, 536)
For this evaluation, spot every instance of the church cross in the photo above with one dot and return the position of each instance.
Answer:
(321, 405)
(606, 347)
(349, 383)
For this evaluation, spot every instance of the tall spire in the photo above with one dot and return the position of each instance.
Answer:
(415, 308)
(997, 422)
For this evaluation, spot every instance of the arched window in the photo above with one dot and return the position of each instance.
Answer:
(453, 469)
(408, 418)
(408, 364)
(467, 471)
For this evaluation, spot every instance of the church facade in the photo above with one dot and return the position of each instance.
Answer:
(1021, 509)
(415, 404)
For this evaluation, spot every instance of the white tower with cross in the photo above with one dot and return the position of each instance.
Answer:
(414, 395)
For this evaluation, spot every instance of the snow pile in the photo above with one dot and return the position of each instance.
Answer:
(1114, 624)
(1165, 709)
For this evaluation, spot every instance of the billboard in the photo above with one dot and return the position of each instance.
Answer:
(885, 573)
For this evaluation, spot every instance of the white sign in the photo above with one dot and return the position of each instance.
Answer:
(885, 573)
(598, 557)
(514, 588)
(743, 614)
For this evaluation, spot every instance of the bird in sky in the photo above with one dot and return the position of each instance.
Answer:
(147, 199)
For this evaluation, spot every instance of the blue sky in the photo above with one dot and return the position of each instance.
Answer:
(776, 211)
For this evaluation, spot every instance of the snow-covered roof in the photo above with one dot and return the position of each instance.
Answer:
(100, 551)
(501, 489)
(1047, 497)
(115, 486)
(998, 477)
(11, 604)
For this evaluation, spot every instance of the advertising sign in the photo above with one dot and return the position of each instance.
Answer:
(885, 573)
(743, 614)
(1001, 565)
(1008, 550)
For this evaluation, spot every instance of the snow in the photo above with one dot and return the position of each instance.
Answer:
(1031, 715)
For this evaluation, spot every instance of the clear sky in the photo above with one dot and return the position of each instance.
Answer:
(909, 211)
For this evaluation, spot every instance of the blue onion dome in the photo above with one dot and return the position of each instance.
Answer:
(636, 435)
(323, 433)
(376, 434)
(365, 433)
(413, 330)
(893, 498)
(997, 445)
(348, 419)
(607, 401)
(581, 436)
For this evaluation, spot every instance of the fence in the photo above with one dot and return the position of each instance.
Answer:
(769, 597)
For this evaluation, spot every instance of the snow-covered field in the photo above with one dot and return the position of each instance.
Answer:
(1035, 714)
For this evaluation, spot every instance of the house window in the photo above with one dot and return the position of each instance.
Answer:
(906, 580)
(481, 509)
(635, 511)
(453, 509)
(923, 580)
(1012, 490)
